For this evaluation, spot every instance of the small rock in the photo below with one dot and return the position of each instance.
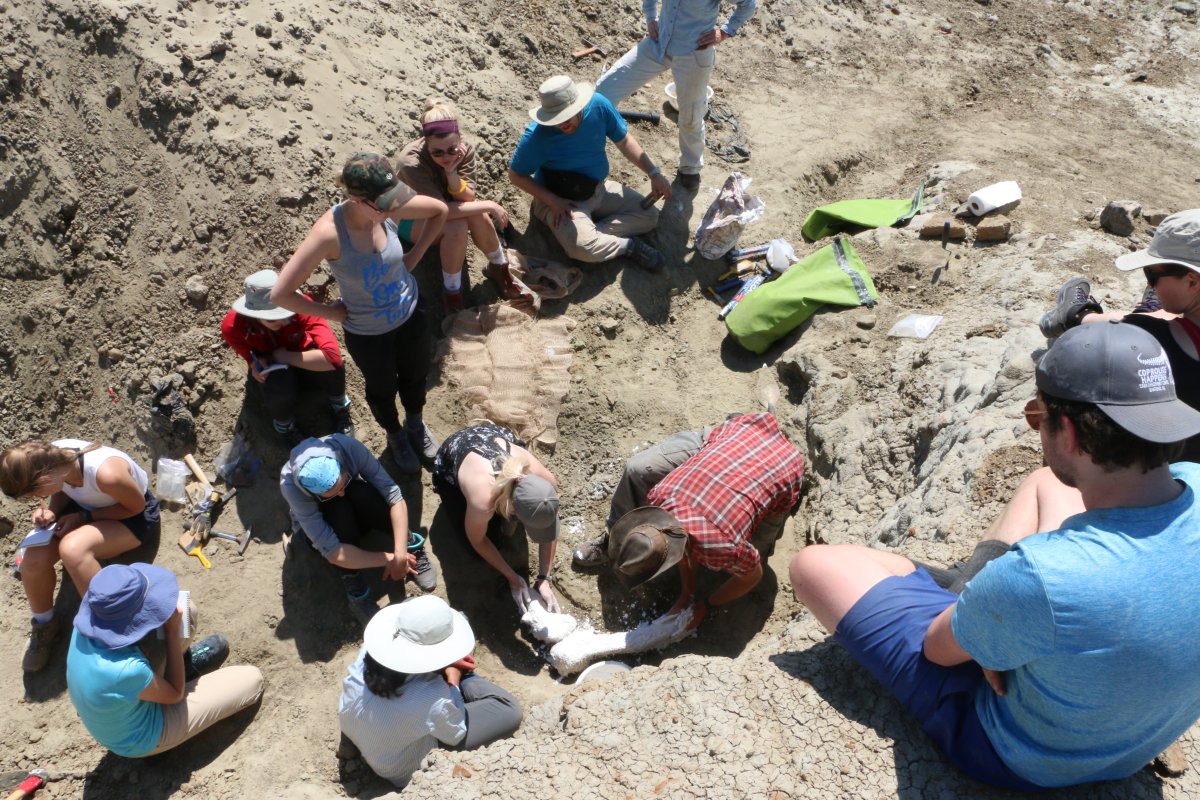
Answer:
(1171, 762)
(610, 327)
(115, 355)
(1118, 216)
(1155, 218)
(933, 230)
(865, 321)
(1186, 9)
(188, 371)
(993, 228)
(201, 232)
(197, 292)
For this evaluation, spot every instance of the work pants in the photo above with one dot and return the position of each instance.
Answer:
(357, 512)
(396, 362)
(600, 226)
(492, 713)
(283, 386)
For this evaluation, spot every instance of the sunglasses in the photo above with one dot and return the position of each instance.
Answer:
(1035, 409)
(450, 151)
(1170, 271)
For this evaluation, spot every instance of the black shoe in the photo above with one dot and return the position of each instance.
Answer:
(689, 180)
(645, 256)
(591, 555)
(422, 441)
(1074, 302)
(426, 575)
(403, 453)
(342, 422)
(205, 656)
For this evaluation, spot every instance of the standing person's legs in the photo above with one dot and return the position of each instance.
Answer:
(492, 713)
(411, 358)
(632, 71)
(692, 73)
(578, 235)
(618, 211)
(376, 358)
(208, 700)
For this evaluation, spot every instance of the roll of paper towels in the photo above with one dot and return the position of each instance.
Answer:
(989, 198)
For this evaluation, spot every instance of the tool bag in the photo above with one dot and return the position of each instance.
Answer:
(832, 275)
(857, 214)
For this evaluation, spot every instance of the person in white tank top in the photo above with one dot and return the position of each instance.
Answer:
(96, 501)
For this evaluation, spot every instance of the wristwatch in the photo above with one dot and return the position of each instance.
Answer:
(656, 171)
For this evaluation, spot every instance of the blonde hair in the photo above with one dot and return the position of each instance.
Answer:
(436, 109)
(24, 466)
(512, 469)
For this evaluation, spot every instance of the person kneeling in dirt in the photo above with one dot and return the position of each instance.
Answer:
(130, 704)
(441, 164)
(1070, 655)
(710, 497)
(486, 469)
(286, 352)
(562, 163)
(338, 493)
(100, 507)
(413, 687)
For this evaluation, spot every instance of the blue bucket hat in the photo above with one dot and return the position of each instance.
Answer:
(320, 474)
(124, 603)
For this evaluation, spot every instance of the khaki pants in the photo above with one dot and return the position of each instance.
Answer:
(208, 700)
(600, 227)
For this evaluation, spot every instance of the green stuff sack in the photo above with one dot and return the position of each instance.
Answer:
(847, 214)
(832, 275)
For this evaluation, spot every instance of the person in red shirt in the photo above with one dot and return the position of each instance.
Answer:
(286, 353)
(711, 499)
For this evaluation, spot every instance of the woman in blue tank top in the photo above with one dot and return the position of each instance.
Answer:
(386, 328)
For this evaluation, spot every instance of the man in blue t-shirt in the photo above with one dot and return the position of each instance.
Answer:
(561, 162)
(1070, 655)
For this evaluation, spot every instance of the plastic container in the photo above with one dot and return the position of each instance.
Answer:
(602, 669)
(171, 480)
(672, 100)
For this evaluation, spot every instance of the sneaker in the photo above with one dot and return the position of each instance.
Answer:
(453, 301)
(342, 422)
(1149, 302)
(1074, 301)
(502, 278)
(591, 555)
(290, 434)
(645, 256)
(41, 643)
(421, 439)
(689, 180)
(402, 452)
(426, 574)
(358, 596)
(205, 656)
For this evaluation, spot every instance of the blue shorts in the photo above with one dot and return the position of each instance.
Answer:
(885, 632)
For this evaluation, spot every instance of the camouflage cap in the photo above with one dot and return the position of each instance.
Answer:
(370, 176)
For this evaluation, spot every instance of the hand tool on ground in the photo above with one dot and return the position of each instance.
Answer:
(241, 541)
(750, 285)
(596, 48)
(189, 544)
(642, 116)
(36, 780)
(586, 51)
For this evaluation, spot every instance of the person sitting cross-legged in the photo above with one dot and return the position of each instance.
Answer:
(1070, 655)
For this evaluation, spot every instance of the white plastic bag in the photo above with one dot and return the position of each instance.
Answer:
(729, 214)
(916, 326)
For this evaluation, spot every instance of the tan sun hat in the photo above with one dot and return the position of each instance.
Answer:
(1176, 241)
(561, 98)
(421, 634)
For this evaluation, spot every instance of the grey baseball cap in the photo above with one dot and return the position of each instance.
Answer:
(1124, 371)
(1176, 241)
(536, 504)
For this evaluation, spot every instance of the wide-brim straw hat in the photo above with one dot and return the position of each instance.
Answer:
(560, 98)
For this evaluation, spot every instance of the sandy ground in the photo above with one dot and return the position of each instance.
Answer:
(151, 147)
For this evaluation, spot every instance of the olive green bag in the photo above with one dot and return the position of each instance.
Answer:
(832, 275)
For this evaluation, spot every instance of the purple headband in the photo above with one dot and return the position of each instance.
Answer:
(439, 127)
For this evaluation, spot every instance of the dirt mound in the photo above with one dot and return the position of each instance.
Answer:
(154, 152)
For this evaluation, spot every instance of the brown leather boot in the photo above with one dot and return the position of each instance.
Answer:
(41, 643)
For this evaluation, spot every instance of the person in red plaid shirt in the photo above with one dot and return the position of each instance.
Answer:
(714, 498)
(269, 338)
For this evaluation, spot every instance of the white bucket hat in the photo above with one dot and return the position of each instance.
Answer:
(561, 98)
(1176, 241)
(256, 302)
(419, 635)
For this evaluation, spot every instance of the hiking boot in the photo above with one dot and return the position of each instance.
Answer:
(41, 643)
(402, 452)
(342, 422)
(645, 256)
(1149, 302)
(204, 656)
(426, 575)
(502, 278)
(1074, 301)
(421, 439)
(689, 180)
(358, 596)
(591, 555)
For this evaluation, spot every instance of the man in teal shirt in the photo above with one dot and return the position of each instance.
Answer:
(1071, 654)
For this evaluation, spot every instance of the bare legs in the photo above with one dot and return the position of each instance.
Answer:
(81, 552)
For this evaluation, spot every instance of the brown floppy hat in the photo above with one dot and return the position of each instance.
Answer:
(644, 544)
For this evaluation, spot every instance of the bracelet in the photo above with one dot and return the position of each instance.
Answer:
(462, 187)
(87, 516)
(539, 579)
(656, 171)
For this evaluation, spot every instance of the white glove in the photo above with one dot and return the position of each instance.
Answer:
(546, 595)
(520, 595)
